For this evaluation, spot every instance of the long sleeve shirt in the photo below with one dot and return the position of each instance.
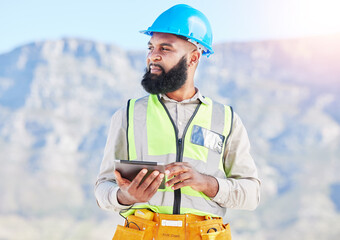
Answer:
(241, 189)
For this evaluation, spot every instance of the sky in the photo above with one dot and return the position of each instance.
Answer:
(119, 22)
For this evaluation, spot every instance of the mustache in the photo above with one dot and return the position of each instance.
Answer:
(155, 65)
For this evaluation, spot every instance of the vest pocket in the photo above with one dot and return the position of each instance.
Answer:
(207, 138)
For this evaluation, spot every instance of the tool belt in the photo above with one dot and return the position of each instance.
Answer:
(146, 226)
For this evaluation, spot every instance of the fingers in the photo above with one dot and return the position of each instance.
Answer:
(153, 187)
(137, 180)
(149, 186)
(152, 181)
(178, 181)
(177, 168)
(139, 189)
(181, 184)
(182, 174)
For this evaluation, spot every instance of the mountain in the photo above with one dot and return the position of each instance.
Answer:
(57, 97)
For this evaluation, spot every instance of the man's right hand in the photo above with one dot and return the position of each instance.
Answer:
(134, 191)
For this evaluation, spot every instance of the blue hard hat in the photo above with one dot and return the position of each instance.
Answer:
(185, 21)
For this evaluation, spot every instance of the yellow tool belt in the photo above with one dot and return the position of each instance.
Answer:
(165, 226)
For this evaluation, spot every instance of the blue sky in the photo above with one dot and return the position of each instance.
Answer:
(118, 22)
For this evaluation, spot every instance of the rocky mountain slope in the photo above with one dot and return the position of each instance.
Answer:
(57, 97)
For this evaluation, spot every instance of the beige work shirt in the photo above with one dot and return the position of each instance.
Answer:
(241, 189)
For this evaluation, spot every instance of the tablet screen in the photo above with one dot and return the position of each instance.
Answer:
(130, 169)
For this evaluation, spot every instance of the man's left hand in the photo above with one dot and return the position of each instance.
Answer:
(185, 175)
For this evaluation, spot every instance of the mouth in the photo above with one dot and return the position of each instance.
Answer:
(155, 69)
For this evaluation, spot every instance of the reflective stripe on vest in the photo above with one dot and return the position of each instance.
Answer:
(152, 136)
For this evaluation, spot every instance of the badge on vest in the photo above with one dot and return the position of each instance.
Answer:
(209, 139)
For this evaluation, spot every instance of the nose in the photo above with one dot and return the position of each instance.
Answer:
(154, 56)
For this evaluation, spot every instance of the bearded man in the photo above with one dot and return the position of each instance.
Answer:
(202, 143)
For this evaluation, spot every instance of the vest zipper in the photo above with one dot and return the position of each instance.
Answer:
(177, 201)
(179, 155)
(177, 193)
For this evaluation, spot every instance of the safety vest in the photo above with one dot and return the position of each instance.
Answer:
(153, 136)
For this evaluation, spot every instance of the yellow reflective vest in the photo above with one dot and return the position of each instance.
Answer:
(153, 136)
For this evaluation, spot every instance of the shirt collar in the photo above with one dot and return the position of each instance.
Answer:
(197, 96)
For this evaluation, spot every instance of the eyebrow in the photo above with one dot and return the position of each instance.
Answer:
(162, 44)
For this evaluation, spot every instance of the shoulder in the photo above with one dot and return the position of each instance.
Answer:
(145, 98)
(218, 103)
(238, 125)
(236, 119)
(138, 101)
(119, 116)
(122, 110)
(215, 101)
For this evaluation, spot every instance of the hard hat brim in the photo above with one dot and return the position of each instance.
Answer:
(209, 49)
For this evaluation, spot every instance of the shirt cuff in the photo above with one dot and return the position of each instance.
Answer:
(114, 200)
(223, 191)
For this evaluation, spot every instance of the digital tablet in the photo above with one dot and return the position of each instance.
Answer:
(130, 169)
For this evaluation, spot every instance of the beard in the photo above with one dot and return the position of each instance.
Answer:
(171, 81)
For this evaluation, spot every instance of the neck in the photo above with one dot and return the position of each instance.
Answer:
(188, 90)
(185, 92)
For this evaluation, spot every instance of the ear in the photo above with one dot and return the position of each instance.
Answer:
(194, 57)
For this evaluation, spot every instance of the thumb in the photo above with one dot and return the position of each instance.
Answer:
(121, 181)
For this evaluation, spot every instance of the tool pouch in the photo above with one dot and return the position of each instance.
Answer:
(135, 228)
(218, 235)
(171, 227)
(212, 229)
(147, 226)
(124, 233)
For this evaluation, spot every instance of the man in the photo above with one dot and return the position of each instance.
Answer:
(203, 143)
